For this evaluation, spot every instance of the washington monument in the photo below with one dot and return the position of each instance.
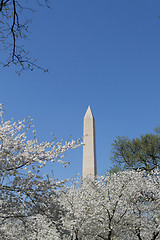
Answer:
(89, 147)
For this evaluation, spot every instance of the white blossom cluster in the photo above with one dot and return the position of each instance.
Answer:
(24, 191)
(122, 206)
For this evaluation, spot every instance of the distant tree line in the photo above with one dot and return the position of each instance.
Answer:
(138, 153)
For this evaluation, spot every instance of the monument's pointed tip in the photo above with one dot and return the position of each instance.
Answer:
(88, 112)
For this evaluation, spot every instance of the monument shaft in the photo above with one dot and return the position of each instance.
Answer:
(89, 147)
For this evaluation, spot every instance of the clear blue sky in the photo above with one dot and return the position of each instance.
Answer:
(103, 53)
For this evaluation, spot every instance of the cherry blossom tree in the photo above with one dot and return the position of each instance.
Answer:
(33, 228)
(24, 189)
(118, 206)
(124, 205)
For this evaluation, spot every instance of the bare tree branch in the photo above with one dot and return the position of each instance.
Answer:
(14, 29)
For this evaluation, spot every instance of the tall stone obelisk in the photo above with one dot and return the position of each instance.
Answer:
(89, 147)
